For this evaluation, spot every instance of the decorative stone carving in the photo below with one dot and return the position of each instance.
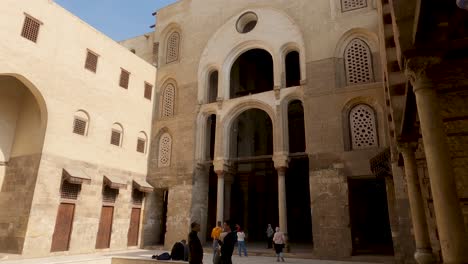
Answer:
(358, 63)
(165, 150)
(362, 123)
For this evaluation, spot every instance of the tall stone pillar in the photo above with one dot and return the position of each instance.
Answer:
(220, 197)
(449, 218)
(228, 179)
(423, 254)
(283, 216)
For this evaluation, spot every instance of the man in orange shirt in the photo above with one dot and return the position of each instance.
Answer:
(215, 233)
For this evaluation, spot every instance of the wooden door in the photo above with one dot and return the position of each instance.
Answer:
(63, 227)
(134, 227)
(105, 227)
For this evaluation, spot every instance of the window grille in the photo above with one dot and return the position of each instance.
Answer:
(141, 144)
(116, 138)
(109, 195)
(165, 149)
(69, 191)
(363, 127)
(79, 126)
(348, 5)
(358, 63)
(173, 47)
(168, 101)
(155, 53)
(148, 91)
(124, 79)
(137, 197)
(91, 61)
(30, 29)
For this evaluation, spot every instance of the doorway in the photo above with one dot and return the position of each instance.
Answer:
(370, 225)
(105, 227)
(63, 227)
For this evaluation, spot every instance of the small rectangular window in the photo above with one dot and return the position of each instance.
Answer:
(124, 79)
(31, 28)
(148, 91)
(115, 138)
(141, 144)
(109, 195)
(79, 126)
(91, 61)
(69, 191)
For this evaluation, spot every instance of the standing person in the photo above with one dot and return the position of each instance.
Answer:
(279, 241)
(195, 247)
(227, 242)
(269, 233)
(215, 233)
(241, 242)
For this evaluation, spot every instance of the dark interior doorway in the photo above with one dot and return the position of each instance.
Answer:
(162, 238)
(293, 69)
(213, 87)
(252, 73)
(370, 226)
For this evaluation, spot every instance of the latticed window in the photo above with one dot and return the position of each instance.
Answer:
(168, 101)
(173, 47)
(348, 5)
(31, 28)
(165, 149)
(124, 79)
(362, 122)
(91, 61)
(69, 191)
(358, 63)
(155, 53)
(141, 145)
(137, 197)
(79, 126)
(109, 195)
(116, 137)
(148, 91)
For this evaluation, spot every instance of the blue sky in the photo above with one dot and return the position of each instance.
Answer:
(118, 19)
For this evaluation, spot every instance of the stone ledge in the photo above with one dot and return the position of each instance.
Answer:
(136, 260)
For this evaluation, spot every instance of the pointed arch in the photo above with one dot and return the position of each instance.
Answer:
(172, 47)
(358, 62)
(164, 150)
(168, 98)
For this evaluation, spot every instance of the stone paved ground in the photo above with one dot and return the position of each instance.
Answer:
(103, 258)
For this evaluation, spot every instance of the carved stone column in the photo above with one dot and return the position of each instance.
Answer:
(450, 223)
(423, 254)
(220, 197)
(283, 216)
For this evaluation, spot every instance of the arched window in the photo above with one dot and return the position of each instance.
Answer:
(172, 53)
(363, 126)
(168, 101)
(348, 5)
(141, 142)
(81, 123)
(165, 150)
(116, 135)
(358, 63)
(213, 87)
(293, 69)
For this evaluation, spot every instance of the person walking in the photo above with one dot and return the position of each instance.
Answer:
(227, 241)
(241, 242)
(269, 233)
(215, 234)
(279, 240)
(195, 246)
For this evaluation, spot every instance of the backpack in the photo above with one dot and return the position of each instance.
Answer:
(164, 256)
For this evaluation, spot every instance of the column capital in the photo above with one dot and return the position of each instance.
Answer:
(416, 68)
(280, 160)
(281, 169)
(220, 164)
(404, 147)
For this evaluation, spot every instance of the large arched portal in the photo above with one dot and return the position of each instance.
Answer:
(251, 187)
(252, 73)
(22, 129)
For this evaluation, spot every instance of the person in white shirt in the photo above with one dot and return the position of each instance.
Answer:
(241, 242)
(279, 241)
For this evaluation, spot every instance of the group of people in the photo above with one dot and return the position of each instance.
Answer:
(224, 240)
